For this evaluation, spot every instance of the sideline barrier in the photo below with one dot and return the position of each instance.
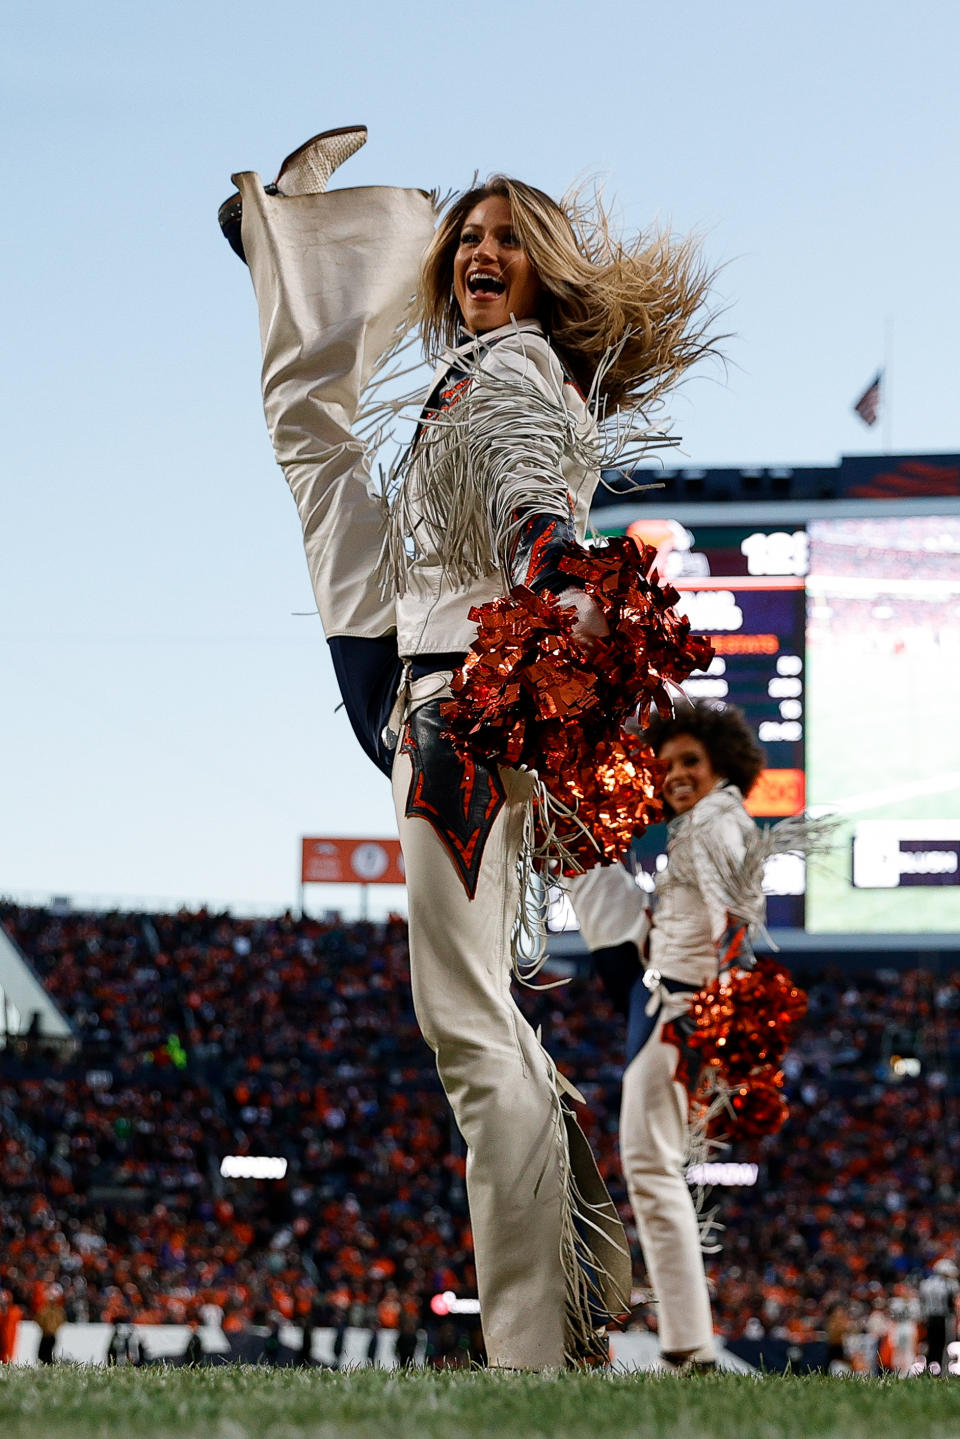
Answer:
(165, 1344)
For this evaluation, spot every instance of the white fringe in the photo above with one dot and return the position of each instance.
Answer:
(536, 873)
(528, 938)
(477, 472)
(586, 1229)
(376, 419)
(741, 879)
(701, 1149)
(559, 826)
(462, 493)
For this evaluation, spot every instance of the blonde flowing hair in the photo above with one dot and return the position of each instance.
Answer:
(635, 310)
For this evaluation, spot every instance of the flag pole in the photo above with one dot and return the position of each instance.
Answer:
(886, 408)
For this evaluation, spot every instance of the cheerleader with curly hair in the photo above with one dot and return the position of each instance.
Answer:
(708, 898)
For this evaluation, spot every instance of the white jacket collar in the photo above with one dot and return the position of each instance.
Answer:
(723, 798)
(489, 337)
(450, 356)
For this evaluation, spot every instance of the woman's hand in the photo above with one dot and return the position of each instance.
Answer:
(590, 624)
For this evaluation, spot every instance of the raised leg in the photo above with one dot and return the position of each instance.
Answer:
(334, 276)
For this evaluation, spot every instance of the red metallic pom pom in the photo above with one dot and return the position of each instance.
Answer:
(757, 1105)
(742, 1026)
(530, 694)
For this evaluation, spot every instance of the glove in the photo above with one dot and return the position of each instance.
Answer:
(734, 949)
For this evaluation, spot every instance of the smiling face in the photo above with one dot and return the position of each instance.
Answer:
(690, 775)
(493, 277)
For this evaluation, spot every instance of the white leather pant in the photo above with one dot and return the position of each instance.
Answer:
(334, 276)
(653, 1137)
(495, 1075)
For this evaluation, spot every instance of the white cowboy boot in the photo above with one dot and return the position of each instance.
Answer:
(304, 172)
(308, 169)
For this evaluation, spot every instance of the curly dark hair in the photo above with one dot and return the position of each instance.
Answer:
(723, 731)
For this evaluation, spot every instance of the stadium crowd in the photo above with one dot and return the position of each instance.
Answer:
(200, 1035)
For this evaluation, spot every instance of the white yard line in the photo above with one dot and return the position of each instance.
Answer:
(893, 794)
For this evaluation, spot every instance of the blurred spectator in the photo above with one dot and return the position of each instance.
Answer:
(898, 1347)
(11, 1313)
(407, 1338)
(51, 1319)
(193, 1352)
(123, 1348)
(450, 1348)
(837, 1331)
(938, 1306)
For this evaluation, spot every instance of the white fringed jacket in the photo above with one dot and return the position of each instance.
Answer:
(714, 870)
(510, 438)
(710, 876)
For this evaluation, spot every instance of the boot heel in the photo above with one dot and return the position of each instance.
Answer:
(229, 217)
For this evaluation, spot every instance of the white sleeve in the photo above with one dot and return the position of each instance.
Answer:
(610, 907)
(718, 851)
(519, 431)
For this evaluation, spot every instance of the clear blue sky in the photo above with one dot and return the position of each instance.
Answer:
(167, 718)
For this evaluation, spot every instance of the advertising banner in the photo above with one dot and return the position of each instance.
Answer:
(350, 861)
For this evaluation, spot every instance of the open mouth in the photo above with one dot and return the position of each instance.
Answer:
(480, 284)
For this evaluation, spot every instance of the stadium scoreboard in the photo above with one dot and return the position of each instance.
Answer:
(836, 629)
(744, 587)
(745, 590)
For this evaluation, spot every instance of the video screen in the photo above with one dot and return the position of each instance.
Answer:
(840, 640)
(883, 723)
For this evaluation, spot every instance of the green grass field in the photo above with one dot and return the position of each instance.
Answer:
(234, 1402)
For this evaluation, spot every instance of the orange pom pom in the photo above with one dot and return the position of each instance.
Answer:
(530, 694)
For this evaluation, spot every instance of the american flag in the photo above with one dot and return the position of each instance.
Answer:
(868, 405)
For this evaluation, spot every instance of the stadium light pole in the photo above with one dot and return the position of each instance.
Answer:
(886, 408)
